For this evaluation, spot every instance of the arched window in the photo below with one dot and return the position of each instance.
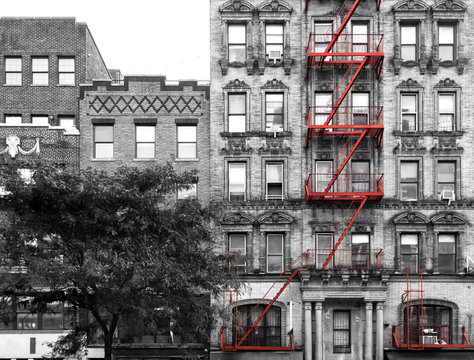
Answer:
(266, 333)
(437, 324)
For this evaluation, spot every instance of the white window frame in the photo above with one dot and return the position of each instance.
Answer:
(14, 70)
(39, 71)
(102, 142)
(148, 127)
(407, 94)
(235, 164)
(281, 254)
(66, 71)
(267, 183)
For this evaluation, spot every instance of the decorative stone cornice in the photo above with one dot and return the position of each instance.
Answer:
(275, 6)
(274, 84)
(236, 6)
(449, 5)
(446, 83)
(410, 83)
(411, 218)
(236, 84)
(237, 218)
(275, 218)
(410, 5)
(448, 218)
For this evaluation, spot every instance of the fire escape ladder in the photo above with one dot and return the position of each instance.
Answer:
(341, 28)
(363, 200)
(346, 160)
(414, 309)
(303, 256)
(346, 90)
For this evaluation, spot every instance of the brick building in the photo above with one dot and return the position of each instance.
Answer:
(42, 62)
(368, 145)
(147, 121)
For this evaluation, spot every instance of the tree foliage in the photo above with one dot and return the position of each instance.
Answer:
(115, 244)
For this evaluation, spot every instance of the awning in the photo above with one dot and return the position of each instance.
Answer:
(442, 354)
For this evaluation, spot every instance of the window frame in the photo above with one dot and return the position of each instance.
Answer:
(16, 116)
(416, 45)
(416, 113)
(73, 72)
(440, 183)
(7, 72)
(403, 267)
(229, 114)
(33, 72)
(453, 45)
(322, 253)
(453, 95)
(346, 348)
(240, 254)
(454, 236)
(360, 257)
(267, 183)
(66, 117)
(229, 165)
(417, 181)
(282, 43)
(102, 142)
(229, 44)
(37, 116)
(267, 114)
(178, 142)
(145, 142)
(268, 254)
(192, 191)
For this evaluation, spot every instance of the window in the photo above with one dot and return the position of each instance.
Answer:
(274, 42)
(360, 39)
(50, 319)
(342, 331)
(13, 71)
(446, 115)
(274, 183)
(323, 36)
(237, 112)
(408, 39)
(267, 331)
(409, 107)
(409, 251)
(324, 247)
(66, 121)
(145, 141)
(323, 175)
(446, 42)
(237, 181)
(103, 141)
(437, 323)
(189, 193)
(13, 119)
(66, 70)
(237, 42)
(446, 176)
(360, 108)
(274, 112)
(187, 142)
(323, 108)
(40, 71)
(274, 253)
(447, 253)
(360, 170)
(409, 181)
(360, 251)
(238, 252)
(39, 119)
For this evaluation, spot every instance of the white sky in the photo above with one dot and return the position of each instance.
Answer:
(153, 37)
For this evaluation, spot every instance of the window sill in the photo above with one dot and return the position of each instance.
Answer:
(31, 331)
(448, 133)
(409, 133)
(144, 160)
(102, 159)
(256, 133)
(237, 64)
(12, 85)
(186, 160)
(66, 85)
(38, 85)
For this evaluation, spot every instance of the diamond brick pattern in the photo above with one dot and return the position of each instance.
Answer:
(145, 104)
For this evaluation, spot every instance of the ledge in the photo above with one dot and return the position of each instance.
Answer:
(256, 134)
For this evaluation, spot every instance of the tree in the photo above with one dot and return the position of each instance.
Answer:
(115, 244)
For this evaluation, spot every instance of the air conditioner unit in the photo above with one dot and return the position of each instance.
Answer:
(274, 56)
(448, 195)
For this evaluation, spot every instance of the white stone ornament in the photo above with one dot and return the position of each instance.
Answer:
(13, 147)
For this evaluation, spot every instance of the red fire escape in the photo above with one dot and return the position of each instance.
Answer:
(346, 51)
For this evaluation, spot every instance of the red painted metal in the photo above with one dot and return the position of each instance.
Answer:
(398, 339)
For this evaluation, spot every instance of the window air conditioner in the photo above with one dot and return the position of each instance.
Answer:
(448, 195)
(274, 56)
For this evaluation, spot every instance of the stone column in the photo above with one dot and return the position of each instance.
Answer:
(308, 346)
(318, 311)
(435, 252)
(368, 331)
(422, 252)
(398, 252)
(379, 333)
